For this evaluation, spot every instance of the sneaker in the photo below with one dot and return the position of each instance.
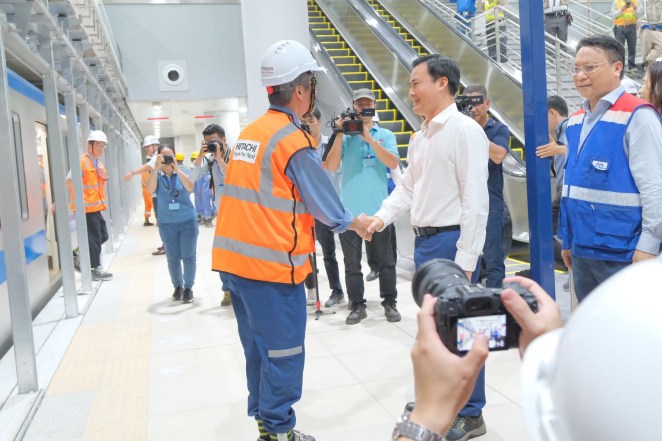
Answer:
(296, 436)
(188, 295)
(208, 223)
(391, 313)
(227, 300)
(311, 298)
(465, 428)
(335, 299)
(358, 313)
(372, 275)
(160, 251)
(99, 274)
(177, 295)
(147, 223)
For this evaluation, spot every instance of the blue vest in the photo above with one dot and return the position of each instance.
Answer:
(600, 201)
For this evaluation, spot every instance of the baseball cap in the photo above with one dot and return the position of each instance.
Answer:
(363, 93)
(149, 140)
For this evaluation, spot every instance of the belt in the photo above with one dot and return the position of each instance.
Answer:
(652, 27)
(556, 13)
(431, 231)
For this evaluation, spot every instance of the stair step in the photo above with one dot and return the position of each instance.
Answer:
(402, 138)
(393, 126)
(334, 45)
(387, 115)
(344, 60)
(347, 68)
(329, 38)
(320, 32)
(362, 85)
(339, 52)
(356, 76)
(383, 104)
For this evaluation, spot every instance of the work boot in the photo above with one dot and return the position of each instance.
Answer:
(372, 275)
(358, 313)
(188, 295)
(336, 298)
(391, 313)
(99, 274)
(311, 298)
(227, 300)
(177, 295)
(292, 435)
(147, 223)
(465, 428)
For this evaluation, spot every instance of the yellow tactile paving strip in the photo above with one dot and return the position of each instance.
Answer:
(112, 359)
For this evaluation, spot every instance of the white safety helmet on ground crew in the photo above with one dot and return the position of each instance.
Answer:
(150, 140)
(599, 377)
(97, 135)
(284, 61)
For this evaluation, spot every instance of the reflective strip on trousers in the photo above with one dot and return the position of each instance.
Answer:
(601, 196)
(266, 200)
(280, 353)
(258, 252)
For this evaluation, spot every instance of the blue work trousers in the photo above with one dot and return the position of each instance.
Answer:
(444, 246)
(203, 197)
(271, 318)
(493, 250)
(587, 274)
(180, 240)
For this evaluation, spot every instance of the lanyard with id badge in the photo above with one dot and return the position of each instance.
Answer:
(172, 189)
(369, 159)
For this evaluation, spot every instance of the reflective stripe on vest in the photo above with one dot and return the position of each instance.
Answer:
(602, 196)
(266, 200)
(258, 252)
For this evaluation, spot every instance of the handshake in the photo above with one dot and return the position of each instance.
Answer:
(364, 225)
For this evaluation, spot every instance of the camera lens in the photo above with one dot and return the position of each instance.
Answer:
(435, 277)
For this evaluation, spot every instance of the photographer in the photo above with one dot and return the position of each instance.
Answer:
(178, 227)
(445, 186)
(364, 160)
(214, 143)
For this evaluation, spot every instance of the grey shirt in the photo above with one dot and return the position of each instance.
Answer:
(643, 148)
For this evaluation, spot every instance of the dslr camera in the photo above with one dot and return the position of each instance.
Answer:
(211, 145)
(464, 309)
(466, 104)
(167, 160)
(353, 125)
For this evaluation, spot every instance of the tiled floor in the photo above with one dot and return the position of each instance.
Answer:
(144, 368)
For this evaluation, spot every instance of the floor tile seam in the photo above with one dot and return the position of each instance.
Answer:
(388, 412)
(501, 395)
(393, 345)
(358, 381)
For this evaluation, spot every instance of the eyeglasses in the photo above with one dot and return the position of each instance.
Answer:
(588, 68)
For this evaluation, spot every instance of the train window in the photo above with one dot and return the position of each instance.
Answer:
(20, 165)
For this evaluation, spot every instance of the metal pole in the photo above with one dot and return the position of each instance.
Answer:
(73, 145)
(113, 182)
(99, 125)
(558, 65)
(10, 216)
(538, 182)
(58, 176)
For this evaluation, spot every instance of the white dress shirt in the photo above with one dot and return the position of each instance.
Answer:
(446, 182)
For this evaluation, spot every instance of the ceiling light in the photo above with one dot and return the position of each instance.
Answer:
(157, 108)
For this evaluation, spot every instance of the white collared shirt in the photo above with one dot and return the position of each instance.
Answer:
(446, 182)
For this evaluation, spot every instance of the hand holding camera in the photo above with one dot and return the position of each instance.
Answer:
(352, 121)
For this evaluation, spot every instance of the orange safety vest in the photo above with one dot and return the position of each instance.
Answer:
(264, 231)
(94, 186)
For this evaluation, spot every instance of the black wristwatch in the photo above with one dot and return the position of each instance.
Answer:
(415, 432)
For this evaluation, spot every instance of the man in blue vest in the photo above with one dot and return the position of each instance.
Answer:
(611, 206)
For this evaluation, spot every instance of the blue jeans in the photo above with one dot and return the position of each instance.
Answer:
(444, 246)
(271, 318)
(180, 240)
(587, 274)
(493, 250)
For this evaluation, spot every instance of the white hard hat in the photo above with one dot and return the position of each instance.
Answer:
(97, 135)
(284, 61)
(598, 378)
(149, 140)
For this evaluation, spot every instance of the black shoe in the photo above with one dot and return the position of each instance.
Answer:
(465, 428)
(358, 313)
(160, 251)
(147, 223)
(99, 274)
(350, 305)
(373, 275)
(177, 295)
(76, 261)
(391, 313)
(188, 295)
(335, 299)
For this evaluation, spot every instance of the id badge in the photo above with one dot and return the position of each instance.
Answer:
(173, 206)
(369, 162)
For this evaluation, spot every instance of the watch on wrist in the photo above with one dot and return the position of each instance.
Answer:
(415, 432)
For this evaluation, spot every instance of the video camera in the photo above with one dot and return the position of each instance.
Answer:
(353, 125)
(466, 104)
(464, 309)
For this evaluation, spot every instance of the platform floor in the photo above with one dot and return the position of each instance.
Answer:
(142, 367)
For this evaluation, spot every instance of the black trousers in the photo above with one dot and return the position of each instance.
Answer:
(370, 250)
(628, 34)
(352, 248)
(97, 235)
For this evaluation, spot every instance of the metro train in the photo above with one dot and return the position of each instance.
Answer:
(32, 158)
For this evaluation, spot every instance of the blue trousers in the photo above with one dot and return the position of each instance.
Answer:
(203, 197)
(444, 246)
(271, 318)
(587, 274)
(493, 250)
(180, 240)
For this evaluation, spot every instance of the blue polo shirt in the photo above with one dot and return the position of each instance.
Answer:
(499, 134)
(364, 183)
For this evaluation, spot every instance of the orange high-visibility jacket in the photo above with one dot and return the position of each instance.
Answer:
(264, 231)
(94, 186)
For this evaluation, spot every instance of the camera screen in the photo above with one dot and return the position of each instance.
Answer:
(491, 326)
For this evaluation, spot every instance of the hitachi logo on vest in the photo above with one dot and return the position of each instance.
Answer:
(246, 151)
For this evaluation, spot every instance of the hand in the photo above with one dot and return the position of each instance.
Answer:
(159, 162)
(443, 380)
(366, 133)
(551, 149)
(376, 224)
(533, 324)
(127, 177)
(469, 274)
(360, 226)
(203, 149)
(642, 255)
(175, 164)
(565, 255)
